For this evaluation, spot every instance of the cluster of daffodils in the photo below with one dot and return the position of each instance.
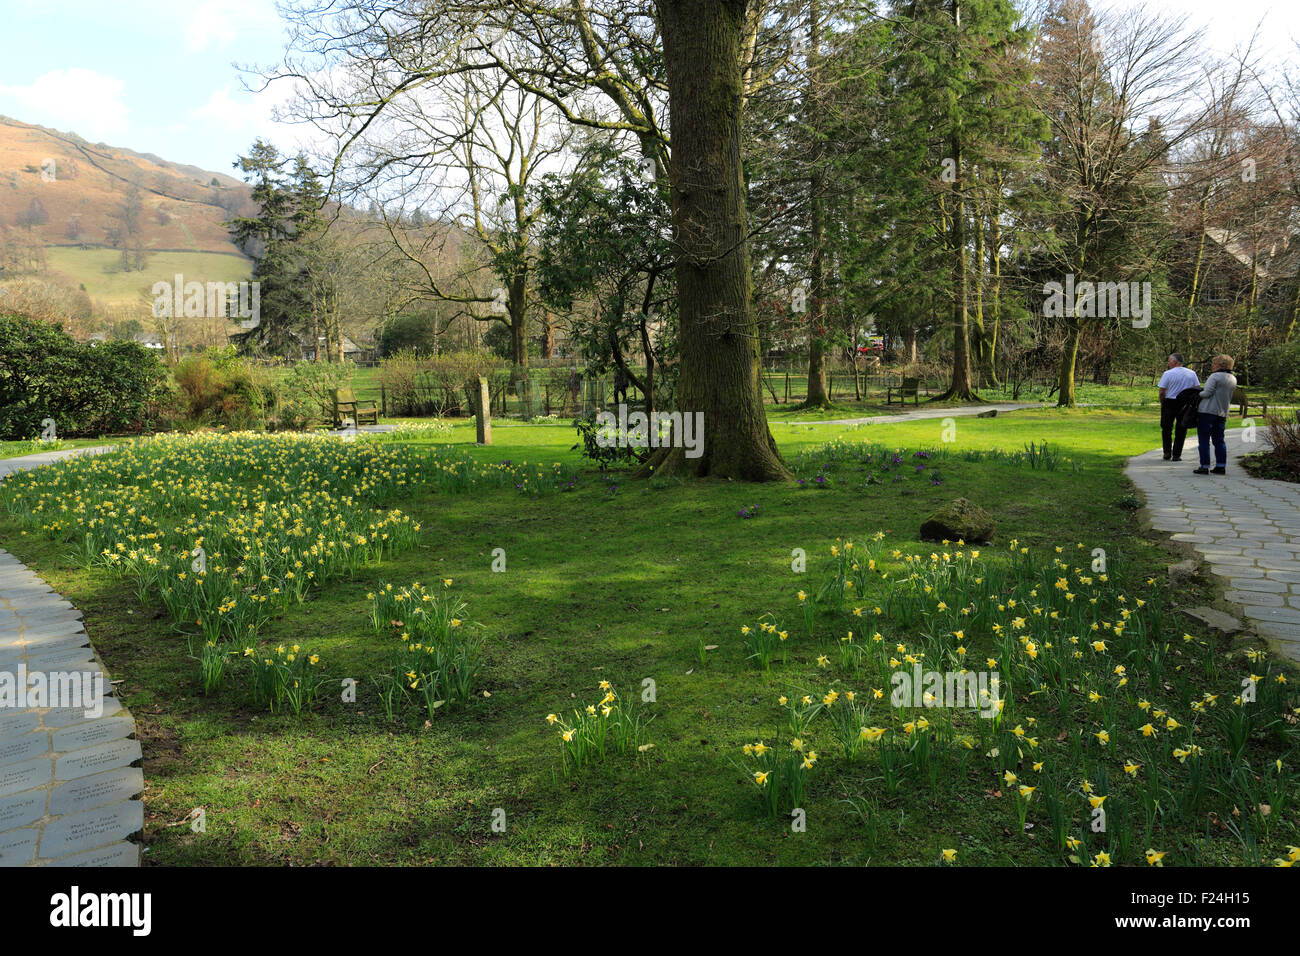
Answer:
(593, 730)
(435, 649)
(779, 773)
(285, 678)
(958, 654)
(224, 529)
(454, 470)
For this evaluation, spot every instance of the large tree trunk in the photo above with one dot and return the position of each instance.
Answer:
(979, 340)
(1069, 358)
(817, 396)
(960, 387)
(548, 336)
(517, 307)
(995, 263)
(720, 365)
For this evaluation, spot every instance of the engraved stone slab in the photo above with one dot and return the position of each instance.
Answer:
(61, 659)
(57, 717)
(117, 854)
(91, 829)
(21, 809)
(86, 793)
(23, 776)
(18, 749)
(16, 722)
(82, 763)
(18, 846)
(91, 732)
(40, 643)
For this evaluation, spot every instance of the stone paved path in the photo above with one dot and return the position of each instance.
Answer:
(10, 465)
(923, 413)
(1246, 529)
(68, 790)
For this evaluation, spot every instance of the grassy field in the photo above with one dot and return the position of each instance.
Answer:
(97, 270)
(625, 581)
(17, 449)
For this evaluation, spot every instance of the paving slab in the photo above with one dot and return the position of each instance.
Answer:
(69, 784)
(1246, 529)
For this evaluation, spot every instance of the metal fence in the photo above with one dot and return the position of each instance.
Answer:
(533, 396)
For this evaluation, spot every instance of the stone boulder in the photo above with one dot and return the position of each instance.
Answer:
(1183, 573)
(958, 521)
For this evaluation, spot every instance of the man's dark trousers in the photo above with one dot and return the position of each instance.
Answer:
(1171, 427)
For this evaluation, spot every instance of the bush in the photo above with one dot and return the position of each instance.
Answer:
(410, 332)
(307, 393)
(221, 390)
(598, 448)
(86, 389)
(419, 385)
(1278, 367)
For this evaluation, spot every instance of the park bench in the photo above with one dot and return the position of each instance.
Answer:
(911, 388)
(346, 407)
(1239, 399)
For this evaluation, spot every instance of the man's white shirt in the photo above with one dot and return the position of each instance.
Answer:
(1177, 380)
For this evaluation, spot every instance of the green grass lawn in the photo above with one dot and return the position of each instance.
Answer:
(97, 270)
(18, 449)
(624, 581)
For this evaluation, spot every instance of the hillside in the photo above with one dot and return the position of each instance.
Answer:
(68, 206)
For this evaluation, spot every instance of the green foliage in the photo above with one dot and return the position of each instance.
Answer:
(608, 238)
(306, 394)
(1279, 365)
(86, 389)
(279, 239)
(607, 453)
(222, 390)
(414, 332)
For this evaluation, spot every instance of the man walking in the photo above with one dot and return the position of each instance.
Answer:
(1177, 385)
(1212, 415)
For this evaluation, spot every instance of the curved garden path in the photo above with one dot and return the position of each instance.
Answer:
(1246, 529)
(69, 793)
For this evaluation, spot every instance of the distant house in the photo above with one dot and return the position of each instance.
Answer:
(351, 351)
(1226, 276)
(147, 339)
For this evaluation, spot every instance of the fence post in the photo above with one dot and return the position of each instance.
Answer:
(383, 401)
(482, 409)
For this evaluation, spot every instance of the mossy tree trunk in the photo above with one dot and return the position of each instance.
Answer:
(720, 362)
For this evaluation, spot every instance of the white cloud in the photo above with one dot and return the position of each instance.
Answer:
(223, 109)
(217, 23)
(74, 100)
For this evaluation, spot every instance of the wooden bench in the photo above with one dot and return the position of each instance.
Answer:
(1239, 399)
(911, 388)
(347, 407)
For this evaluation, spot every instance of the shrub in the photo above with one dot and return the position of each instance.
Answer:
(1278, 366)
(597, 445)
(221, 390)
(86, 389)
(307, 392)
(420, 385)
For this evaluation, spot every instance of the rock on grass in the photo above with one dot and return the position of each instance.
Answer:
(958, 521)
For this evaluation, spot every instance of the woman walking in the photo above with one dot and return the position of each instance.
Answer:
(1212, 415)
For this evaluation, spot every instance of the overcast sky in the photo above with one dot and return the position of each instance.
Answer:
(158, 75)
